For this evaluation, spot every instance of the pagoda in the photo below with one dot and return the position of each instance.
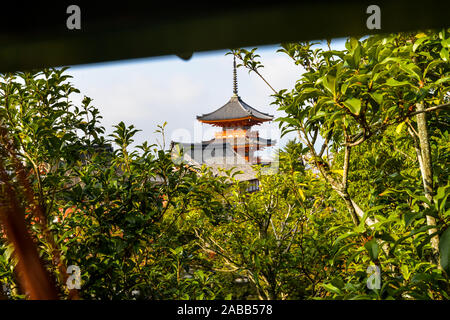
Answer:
(236, 144)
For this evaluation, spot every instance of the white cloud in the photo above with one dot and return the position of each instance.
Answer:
(148, 92)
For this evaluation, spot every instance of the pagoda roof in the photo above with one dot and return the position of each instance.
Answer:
(235, 109)
(238, 141)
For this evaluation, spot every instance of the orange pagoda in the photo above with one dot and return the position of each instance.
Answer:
(236, 143)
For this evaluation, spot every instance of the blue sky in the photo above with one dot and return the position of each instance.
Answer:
(148, 92)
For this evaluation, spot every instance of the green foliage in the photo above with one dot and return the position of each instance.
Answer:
(109, 212)
(373, 83)
(360, 100)
(141, 226)
(445, 250)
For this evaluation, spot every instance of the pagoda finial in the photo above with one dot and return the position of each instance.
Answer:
(235, 90)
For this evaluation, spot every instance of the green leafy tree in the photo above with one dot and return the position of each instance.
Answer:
(350, 97)
(108, 212)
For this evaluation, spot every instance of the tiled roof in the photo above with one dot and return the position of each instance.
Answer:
(235, 108)
(228, 160)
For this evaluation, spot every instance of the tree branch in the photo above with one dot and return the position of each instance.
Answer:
(442, 106)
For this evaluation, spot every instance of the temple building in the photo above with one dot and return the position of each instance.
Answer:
(236, 144)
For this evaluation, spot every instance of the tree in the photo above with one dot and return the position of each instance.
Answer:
(270, 239)
(106, 212)
(348, 96)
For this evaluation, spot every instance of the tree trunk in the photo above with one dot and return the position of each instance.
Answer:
(424, 157)
(351, 209)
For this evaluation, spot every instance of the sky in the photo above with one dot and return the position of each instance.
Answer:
(148, 92)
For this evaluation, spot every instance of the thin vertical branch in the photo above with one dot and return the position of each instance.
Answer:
(427, 172)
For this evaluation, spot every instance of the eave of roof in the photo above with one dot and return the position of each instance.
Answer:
(235, 110)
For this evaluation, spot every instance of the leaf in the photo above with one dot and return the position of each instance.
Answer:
(399, 127)
(385, 192)
(386, 237)
(444, 250)
(339, 172)
(413, 70)
(329, 287)
(291, 121)
(440, 193)
(424, 242)
(329, 82)
(418, 42)
(376, 208)
(405, 272)
(353, 43)
(394, 83)
(353, 256)
(431, 65)
(310, 90)
(378, 97)
(372, 249)
(302, 194)
(362, 226)
(446, 43)
(344, 236)
(342, 249)
(412, 233)
(344, 87)
(442, 80)
(354, 105)
(444, 54)
(409, 217)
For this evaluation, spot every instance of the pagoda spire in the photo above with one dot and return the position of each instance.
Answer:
(235, 89)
